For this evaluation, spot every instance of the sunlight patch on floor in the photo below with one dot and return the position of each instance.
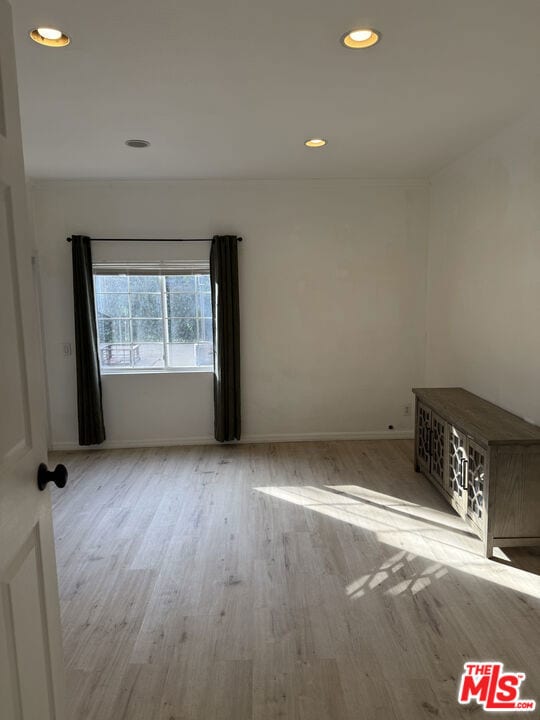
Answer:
(393, 565)
(389, 502)
(443, 541)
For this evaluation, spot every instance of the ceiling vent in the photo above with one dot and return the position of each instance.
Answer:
(137, 143)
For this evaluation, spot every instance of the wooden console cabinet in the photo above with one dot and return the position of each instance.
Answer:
(484, 460)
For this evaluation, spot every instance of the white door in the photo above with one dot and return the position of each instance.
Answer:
(31, 663)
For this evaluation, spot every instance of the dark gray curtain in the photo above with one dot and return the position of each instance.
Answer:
(89, 404)
(226, 327)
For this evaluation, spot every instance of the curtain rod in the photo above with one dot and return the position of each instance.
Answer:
(151, 239)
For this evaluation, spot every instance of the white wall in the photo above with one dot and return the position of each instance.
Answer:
(484, 272)
(332, 277)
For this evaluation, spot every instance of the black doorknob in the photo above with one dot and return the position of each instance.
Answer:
(58, 476)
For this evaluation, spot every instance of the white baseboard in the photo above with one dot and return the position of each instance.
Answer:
(327, 436)
(207, 440)
(126, 444)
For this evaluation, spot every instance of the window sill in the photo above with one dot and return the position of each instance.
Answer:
(158, 371)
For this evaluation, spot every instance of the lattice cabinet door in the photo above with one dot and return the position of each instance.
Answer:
(423, 436)
(455, 481)
(476, 483)
(438, 448)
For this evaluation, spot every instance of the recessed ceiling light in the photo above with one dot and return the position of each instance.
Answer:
(315, 142)
(52, 37)
(50, 33)
(361, 38)
(138, 143)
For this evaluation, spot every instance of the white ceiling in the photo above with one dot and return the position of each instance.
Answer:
(231, 88)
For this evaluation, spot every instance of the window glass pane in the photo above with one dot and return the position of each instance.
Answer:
(130, 320)
(145, 305)
(181, 305)
(203, 282)
(144, 283)
(147, 330)
(148, 355)
(117, 354)
(183, 330)
(113, 331)
(112, 305)
(204, 354)
(205, 305)
(180, 283)
(182, 355)
(111, 283)
(190, 355)
(205, 329)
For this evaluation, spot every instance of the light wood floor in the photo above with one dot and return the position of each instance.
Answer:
(312, 581)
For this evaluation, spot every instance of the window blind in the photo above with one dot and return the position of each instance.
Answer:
(150, 268)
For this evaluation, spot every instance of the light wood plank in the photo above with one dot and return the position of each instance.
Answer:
(305, 581)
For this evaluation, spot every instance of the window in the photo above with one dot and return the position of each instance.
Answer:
(152, 319)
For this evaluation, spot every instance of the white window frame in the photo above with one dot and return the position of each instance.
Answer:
(162, 269)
